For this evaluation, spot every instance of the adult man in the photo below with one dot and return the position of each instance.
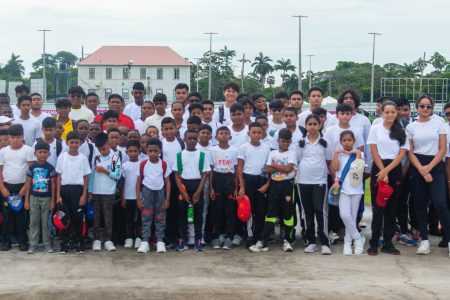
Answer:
(79, 112)
(116, 103)
(133, 109)
(315, 97)
(36, 108)
(222, 113)
(182, 94)
(296, 100)
(92, 102)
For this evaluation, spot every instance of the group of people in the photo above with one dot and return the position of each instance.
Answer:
(149, 174)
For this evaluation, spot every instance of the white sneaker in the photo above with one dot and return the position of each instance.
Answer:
(137, 243)
(110, 246)
(97, 245)
(144, 247)
(160, 247)
(311, 248)
(359, 245)
(424, 248)
(258, 247)
(347, 249)
(326, 250)
(128, 243)
(287, 247)
(237, 240)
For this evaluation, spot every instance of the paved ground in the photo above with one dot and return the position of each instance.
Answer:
(225, 274)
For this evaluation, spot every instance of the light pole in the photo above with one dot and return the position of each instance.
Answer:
(209, 68)
(300, 50)
(372, 82)
(243, 61)
(196, 73)
(44, 79)
(310, 72)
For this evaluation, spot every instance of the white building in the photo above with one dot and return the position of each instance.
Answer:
(114, 70)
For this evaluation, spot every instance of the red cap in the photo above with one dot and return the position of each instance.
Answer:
(385, 191)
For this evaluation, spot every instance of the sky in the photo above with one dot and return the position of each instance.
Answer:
(333, 31)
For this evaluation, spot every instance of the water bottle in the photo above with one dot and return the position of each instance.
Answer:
(190, 213)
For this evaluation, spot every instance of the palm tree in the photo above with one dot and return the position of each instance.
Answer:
(410, 70)
(227, 55)
(438, 61)
(284, 66)
(262, 67)
(14, 67)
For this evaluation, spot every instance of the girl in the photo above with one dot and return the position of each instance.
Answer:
(388, 146)
(312, 184)
(147, 110)
(94, 129)
(153, 132)
(350, 196)
(177, 113)
(260, 105)
(428, 142)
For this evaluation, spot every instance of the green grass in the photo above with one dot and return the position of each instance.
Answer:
(367, 201)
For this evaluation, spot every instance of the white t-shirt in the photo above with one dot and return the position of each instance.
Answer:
(31, 130)
(214, 125)
(387, 147)
(254, 157)
(357, 121)
(53, 158)
(282, 158)
(268, 140)
(170, 150)
(133, 111)
(296, 137)
(224, 160)
(100, 183)
(304, 114)
(191, 164)
(347, 188)
(153, 175)
(238, 138)
(273, 128)
(155, 120)
(82, 113)
(140, 126)
(130, 171)
(85, 150)
(425, 135)
(333, 135)
(15, 163)
(312, 166)
(72, 168)
(226, 116)
(41, 117)
(15, 110)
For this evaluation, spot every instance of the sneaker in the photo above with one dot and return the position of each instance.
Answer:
(259, 247)
(110, 246)
(6, 247)
(23, 247)
(390, 249)
(215, 244)
(97, 245)
(443, 243)
(222, 239)
(180, 246)
(311, 248)
(144, 247)
(137, 243)
(48, 249)
(32, 250)
(333, 237)
(381, 241)
(64, 248)
(199, 245)
(326, 250)
(79, 248)
(406, 240)
(128, 243)
(359, 245)
(424, 248)
(161, 247)
(237, 240)
(372, 251)
(287, 247)
(228, 244)
(347, 249)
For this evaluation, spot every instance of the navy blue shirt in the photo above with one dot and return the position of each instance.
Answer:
(41, 179)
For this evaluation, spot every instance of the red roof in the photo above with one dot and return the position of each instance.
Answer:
(140, 55)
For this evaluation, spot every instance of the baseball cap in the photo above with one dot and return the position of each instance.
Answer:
(244, 209)
(385, 191)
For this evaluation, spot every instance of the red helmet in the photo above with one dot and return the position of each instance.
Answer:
(385, 191)
(244, 208)
(61, 220)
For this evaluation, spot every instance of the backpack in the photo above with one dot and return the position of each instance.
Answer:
(91, 153)
(221, 114)
(201, 162)
(144, 163)
(180, 140)
(58, 145)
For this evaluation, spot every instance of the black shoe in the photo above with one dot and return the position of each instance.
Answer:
(79, 248)
(6, 247)
(390, 249)
(64, 248)
(443, 243)
(23, 247)
(372, 251)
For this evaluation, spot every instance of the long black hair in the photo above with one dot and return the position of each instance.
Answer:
(322, 141)
(397, 131)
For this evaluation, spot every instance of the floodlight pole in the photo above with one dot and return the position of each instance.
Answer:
(299, 50)
(44, 79)
(310, 72)
(372, 82)
(209, 68)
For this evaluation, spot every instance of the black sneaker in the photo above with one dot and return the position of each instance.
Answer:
(23, 247)
(372, 251)
(6, 247)
(390, 249)
(443, 243)
(64, 248)
(79, 248)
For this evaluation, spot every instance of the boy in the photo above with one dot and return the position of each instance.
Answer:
(143, 140)
(266, 139)
(110, 119)
(31, 127)
(59, 130)
(222, 113)
(238, 129)
(283, 97)
(208, 111)
(290, 119)
(196, 109)
(128, 200)
(79, 112)
(193, 123)
(147, 110)
(296, 100)
(92, 102)
(190, 168)
(14, 162)
(123, 138)
(280, 165)
(133, 109)
(249, 109)
(315, 97)
(322, 113)
(63, 107)
(160, 102)
(71, 191)
(56, 147)
(154, 183)
(114, 138)
(223, 188)
(4, 138)
(86, 148)
(102, 186)
(40, 197)
(252, 157)
(36, 108)
(276, 119)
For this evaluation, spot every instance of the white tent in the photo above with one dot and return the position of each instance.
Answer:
(329, 100)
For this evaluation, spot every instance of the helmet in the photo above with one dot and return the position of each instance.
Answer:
(90, 211)
(50, 224)
(15, 202)
(61, 220)
(244, 208)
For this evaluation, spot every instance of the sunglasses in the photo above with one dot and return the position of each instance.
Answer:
(276, 109)
(422, 106)
(296, 99)
(447, 114)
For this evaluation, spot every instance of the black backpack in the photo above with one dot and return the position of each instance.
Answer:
(221, 114)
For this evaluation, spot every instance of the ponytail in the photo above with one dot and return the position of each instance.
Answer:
(398, 133)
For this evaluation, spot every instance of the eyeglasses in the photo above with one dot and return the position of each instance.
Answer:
(422, 106)
(299, 99)
(447, 114)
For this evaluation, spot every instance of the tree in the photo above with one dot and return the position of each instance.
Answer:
(438, 61)
(284, 66)
(421, 64)
(262, 67)
(64, 57)
(410, 70)
(49, 62)
(290, 82)
(14, 69)
(227, 55)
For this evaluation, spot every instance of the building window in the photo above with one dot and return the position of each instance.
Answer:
(91, 73)
(159, 91)
(125, 73)
(143, 72)
(91, 91)
(159, 73)
(125, 94)
(108, 93)
(108, 73)
(176, 73)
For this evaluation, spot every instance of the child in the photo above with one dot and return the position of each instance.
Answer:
(204, 137)
(315, 97)
(223, 188)
(4, 138)
(249, 109)
(266, 139)
(56, 147)
(222, 113)
(110, 119)
(147, 110)
(260, 105)
(14, 162)
(123, 138)
(252, 181)
(31, 127)
(40, 197)
(194, 123)
(178, 113)
(283, 97)
(86, 148)
(94, 129)
(312, 184)
(71, 191)
(160, 102)
(290, 119)
(154, 183)
(114, 138)
(280, 165)
(128, 200)
(322, 113)
(143, 140)
(239, 131)
(63, 107)
(190, 168)
(153, 132)
(350, 196)
(102, 186)
(296, 100)
(59, 130)
(276, 118)
(196, 109)
(208, 111)
(79, 112)
(133, 135)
